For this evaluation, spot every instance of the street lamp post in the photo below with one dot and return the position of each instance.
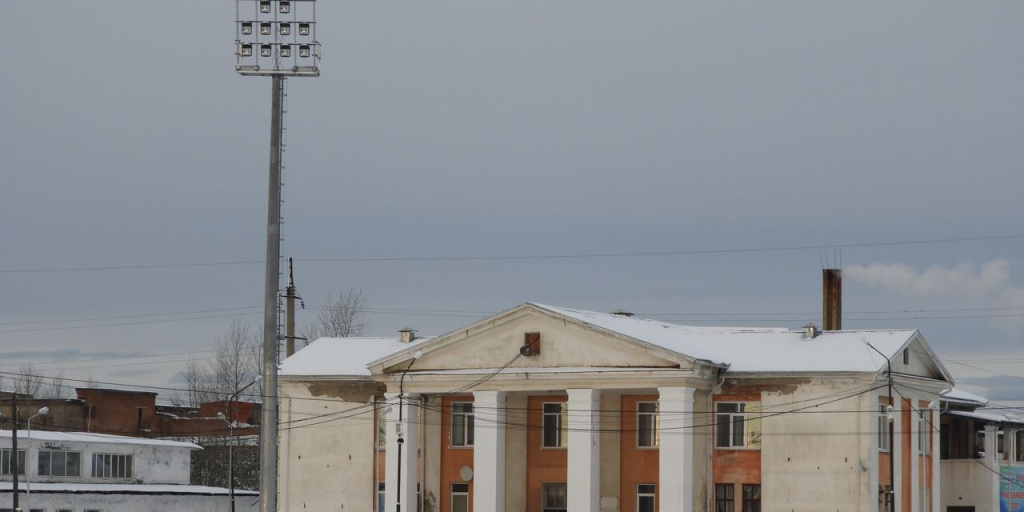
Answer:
(230, 419)
(275, 38)
(401, 432)
(28, 446)
(891, 502)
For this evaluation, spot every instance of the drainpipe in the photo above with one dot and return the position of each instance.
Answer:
(711, 443)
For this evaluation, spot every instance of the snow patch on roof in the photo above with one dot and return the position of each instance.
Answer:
(768, 349)
(961, 396)
(341, 356)
(87, 437)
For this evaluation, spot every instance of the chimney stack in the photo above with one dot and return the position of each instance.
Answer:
(407, 335)
(832, 299)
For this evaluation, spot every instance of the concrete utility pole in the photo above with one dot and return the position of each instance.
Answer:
(275, 38)
(289, 320)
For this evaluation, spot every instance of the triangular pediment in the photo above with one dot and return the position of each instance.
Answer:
(564, 343)
(916, 359)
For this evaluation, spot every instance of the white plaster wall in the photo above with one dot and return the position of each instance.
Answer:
(965, 483)
(150, 464)
(811, 460)
(133, 503)
(325, 466)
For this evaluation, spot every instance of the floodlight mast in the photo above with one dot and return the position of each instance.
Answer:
(259, 53)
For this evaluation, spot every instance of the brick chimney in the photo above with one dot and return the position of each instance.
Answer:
(832, 299)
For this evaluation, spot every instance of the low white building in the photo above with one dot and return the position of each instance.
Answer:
(84, 472)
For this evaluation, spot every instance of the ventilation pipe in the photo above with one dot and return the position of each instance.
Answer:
(407, 335)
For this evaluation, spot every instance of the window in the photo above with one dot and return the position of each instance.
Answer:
(5, 462)
(906, 356)
(751, 497)
(460, 497)
(462, 424)
(647, 424)
(883, 427)
(736, 425)
(380, 497)
(924, 429)
(885, 498)
(724, 498)
(554, 426)
(52, 463)
(554, 498)
(645, 497)
(382, 427)
(108, 465)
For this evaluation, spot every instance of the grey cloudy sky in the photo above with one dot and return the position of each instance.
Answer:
(458, 128)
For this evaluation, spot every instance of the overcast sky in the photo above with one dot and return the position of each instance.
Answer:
(461, 129)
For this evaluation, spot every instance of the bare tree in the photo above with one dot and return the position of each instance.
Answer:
(198, 383)
(29, 381)
(340, 318)
(57, 387)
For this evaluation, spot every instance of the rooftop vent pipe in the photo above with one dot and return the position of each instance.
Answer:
(810, 331)
(407, 335)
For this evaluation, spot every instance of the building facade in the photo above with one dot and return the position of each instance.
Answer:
(84, 472)
(544, 409)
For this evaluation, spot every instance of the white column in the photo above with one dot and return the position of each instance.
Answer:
(584, 472)
(675, 457)
(992, 461)
(407, 431)
(936, 455)
(489, 451)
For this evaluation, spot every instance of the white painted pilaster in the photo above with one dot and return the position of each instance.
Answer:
(675, 458)
(992, 461)
(584, 472)
(407, 431)
(489, 451)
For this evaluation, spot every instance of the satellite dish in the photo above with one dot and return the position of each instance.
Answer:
(466, 473)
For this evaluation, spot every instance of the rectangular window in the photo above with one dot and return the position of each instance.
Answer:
(555, 431)
(924, 430)
(647, 424)
(885, 498)
(725, 500)
(554, 497)
(751, 497)
(462, 424)
(382, 427)
(460, 498)
(645, 498)
(5, 462)
(108, 465)
(380, 497)
(738, 425)
(54, 463)
(883, 427)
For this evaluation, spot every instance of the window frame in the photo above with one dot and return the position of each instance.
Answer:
(50, 463)
(652, 430)
(5, 461)
(467, 419)
(564, 495)
(750, 503)
(558, 428)
(725, 503)
(747, 414)
(884, 427)
(645, 493)
(99, 462)
(464, 491)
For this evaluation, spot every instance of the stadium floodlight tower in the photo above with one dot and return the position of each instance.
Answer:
(275, 38)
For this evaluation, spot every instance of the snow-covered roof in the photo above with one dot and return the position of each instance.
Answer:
(69, 488)
(769, 349)
(88, 437)
(989, 417)
(960, 396)
(341, 356)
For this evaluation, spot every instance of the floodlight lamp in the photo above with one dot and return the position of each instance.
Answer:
(286, 28)
(303, 29)
(246, 50)
(265, 29)
(44, 411)
(285, 7)
(265, 50)
(304, 51)
(247, 29)
(286, 51)
(265, 7)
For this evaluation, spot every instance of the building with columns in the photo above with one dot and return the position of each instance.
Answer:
(546, 409)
